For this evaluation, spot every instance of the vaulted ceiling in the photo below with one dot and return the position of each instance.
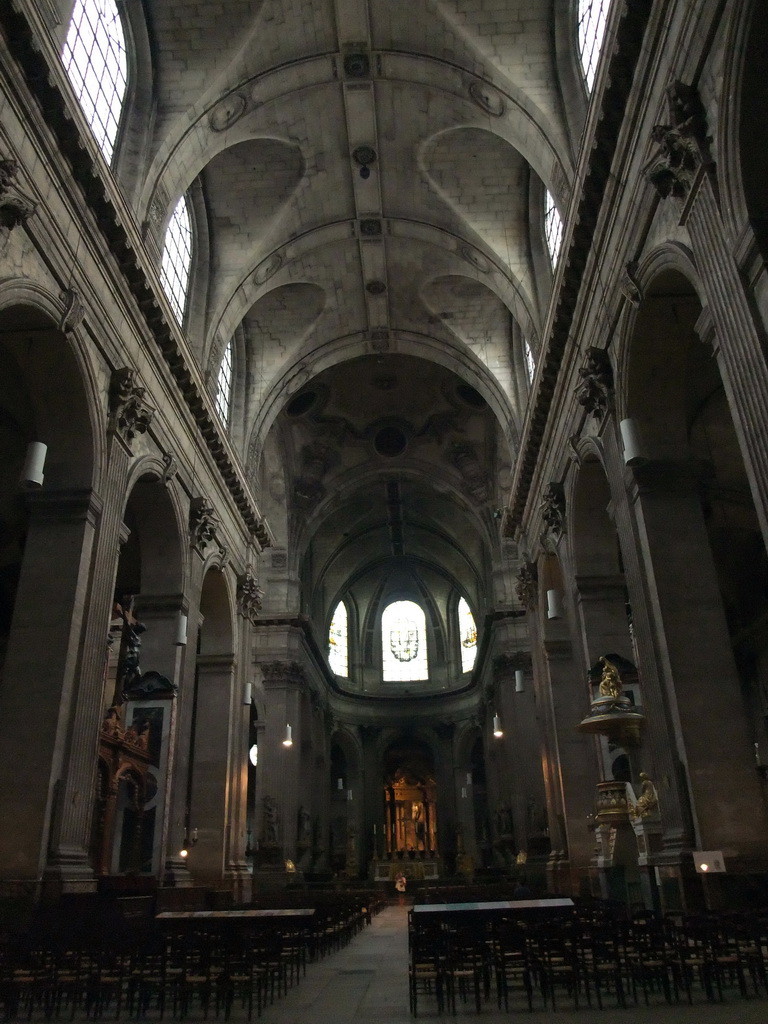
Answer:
(368, 182)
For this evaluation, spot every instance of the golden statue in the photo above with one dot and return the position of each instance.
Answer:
(610, 681)
(522, 857)
(648, 800)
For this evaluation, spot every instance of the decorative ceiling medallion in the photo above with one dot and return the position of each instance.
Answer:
(226, 113)
(474, 258)
(487, 98)
(268, 268)
(357, 65)
(375, 287)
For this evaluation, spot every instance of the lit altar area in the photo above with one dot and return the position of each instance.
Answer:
(408, 841)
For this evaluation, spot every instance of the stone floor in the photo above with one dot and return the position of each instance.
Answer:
(368, 982)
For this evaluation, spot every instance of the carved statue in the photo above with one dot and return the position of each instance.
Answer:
(112, 726)
(305, 827)
(648, 800)
(610, 681)
(129, 673)
(269, 830)
(130, 413)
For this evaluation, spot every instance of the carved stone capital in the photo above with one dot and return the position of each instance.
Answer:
(129, 413)
(630, 287)
(249, 595)
(15, 205)
(682, 145)
(552, 510)
(595, 386)
(203, 522)
(527, 585)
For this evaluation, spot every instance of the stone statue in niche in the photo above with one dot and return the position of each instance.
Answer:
(610, 681)
(305, 827)
(270, 836)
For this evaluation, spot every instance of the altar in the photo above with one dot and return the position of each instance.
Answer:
(414, 870)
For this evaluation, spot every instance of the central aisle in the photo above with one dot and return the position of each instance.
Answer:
(367, 983)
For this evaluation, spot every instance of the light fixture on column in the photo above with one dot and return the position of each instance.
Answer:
(634, 453)
(498, 732)
(288, 741)
(554, 604)
(339, 783)
(34, 464)
(181, 629)
(349, 794)
(248, 694)
(519, 681)
(190, 838)
(469, 778)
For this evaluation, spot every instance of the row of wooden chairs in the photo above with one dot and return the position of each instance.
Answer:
(582, 959)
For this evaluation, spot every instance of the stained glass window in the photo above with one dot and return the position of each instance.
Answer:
(553, 227)
(95, 61)
(177, 259)
(224, 385)
(592, 18)
(338, 641)
(404, 642)
(468, 636)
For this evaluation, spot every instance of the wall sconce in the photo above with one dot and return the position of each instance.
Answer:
(349, 794)
(248, 694)
(469, 778)
(34, 463)
(519, 681)
(339, 783)
(181, 630)
(554, 604)
(634, 453)
(498, 732)
(288, 741)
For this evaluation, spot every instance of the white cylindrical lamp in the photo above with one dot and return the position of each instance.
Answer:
(32, 474)
(554, 604)
(498, 732)
(634, 453)
(248, 694)
(288, 741)
(519, 681)
(181, 630)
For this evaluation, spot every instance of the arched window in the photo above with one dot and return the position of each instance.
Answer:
(338, 641)
(95, 61)
(553, 227)
(468, 636)
(224, 385)
(530, 362)
(177, 259)
(404, 642)
(592, 18)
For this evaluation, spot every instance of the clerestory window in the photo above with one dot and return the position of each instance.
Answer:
(530, 362)
(404, 642)
(338, 641)
(94, 58)
(553, 227)
(224, 385)
(177, 259)
(468, 636)
(593, 15)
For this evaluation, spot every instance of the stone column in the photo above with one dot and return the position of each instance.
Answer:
(696, 663)
(373, 788)
(279, 765)
(47, 784)
(211, 802)
(575, 765)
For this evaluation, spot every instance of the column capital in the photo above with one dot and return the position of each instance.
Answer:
(65, 505)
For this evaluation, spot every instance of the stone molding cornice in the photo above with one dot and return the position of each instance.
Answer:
(65, 506)
(124, 239)
(627, 46)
